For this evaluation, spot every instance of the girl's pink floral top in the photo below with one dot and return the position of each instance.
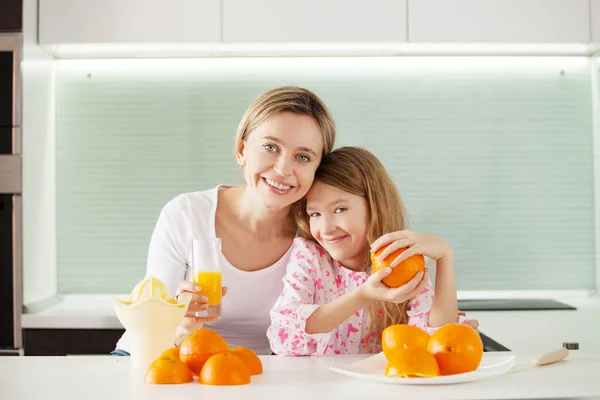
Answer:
(314, 279)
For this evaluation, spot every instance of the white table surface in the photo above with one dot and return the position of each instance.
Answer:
(302, 378)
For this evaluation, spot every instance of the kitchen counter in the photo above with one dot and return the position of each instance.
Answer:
(75, 312)
(543, 330)
(105, 377)
(519, 331)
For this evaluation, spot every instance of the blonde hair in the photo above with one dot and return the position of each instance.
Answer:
(357, 171)
(291, 99)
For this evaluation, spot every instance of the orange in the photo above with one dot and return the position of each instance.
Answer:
(250, 358)
(225, 369)
(401, 273)
(412, 362)
(172, 352)
(402, 336)
(168, 369)
(457, 348)
(199, 346)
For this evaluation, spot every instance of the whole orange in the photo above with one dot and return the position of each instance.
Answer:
(403, 336)
(250, 358)
(401, 273)
(412, 362)
(199, 346)
(457, 348)
(168, 370)
(225, 369)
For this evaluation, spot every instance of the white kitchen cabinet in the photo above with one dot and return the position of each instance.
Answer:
(128, 21)
(595, 13)
(314, 21)
(516, 21)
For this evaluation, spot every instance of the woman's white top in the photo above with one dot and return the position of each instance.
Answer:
(250, 296)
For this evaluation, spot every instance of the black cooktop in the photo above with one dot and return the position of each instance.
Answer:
(512, 305)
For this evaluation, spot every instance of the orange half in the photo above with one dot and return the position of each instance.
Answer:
(412, 362)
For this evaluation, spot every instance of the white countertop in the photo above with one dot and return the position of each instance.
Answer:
(76, 312)
(544, 330)
(520, 331)
(105, 377)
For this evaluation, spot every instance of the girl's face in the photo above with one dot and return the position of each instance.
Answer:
(339, 222)
(280, 159)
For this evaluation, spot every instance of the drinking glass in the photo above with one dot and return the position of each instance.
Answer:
(206, 267)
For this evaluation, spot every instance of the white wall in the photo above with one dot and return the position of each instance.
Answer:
(39, 177)
(595, 71)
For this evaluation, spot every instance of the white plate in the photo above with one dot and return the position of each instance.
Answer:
(373, 368)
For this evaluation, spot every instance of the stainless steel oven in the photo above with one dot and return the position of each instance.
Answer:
(11, 211)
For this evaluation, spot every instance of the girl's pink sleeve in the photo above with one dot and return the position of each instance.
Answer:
(419, 308)
(296, 304)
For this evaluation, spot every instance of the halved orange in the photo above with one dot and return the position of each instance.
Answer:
(412, 362)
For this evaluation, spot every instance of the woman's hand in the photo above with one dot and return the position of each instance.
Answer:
(416, 243)
(473, 323)
(375, 290)
(198, 303)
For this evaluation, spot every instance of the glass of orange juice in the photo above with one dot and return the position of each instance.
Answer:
(206, 267)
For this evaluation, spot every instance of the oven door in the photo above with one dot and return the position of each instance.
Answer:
(11, 218)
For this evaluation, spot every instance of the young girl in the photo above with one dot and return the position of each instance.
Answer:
(331, 303)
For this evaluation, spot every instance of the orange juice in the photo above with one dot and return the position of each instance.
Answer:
(210, 282)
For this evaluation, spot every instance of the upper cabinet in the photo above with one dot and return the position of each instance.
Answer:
(11, 15)
(314, 21)
(595, 11)
(510, 21)
(127, 21)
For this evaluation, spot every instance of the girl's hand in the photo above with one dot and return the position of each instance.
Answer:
(198, 303)
(415, 242)
(375, 290)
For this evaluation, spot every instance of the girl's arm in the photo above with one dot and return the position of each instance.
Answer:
(444, 308)
(288, 333)
(426, 310)
(423, 308)
(328, 317)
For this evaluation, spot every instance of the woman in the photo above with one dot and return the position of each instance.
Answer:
(280, 142)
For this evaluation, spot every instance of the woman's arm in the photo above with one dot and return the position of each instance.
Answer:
(167, 259)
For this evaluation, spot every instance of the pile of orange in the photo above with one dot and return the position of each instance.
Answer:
(401, 273)
(204, 353)
(411, 352)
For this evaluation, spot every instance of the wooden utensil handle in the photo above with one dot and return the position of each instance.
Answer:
(552, 356)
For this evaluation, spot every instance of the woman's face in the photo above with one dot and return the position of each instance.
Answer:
(280, 159)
